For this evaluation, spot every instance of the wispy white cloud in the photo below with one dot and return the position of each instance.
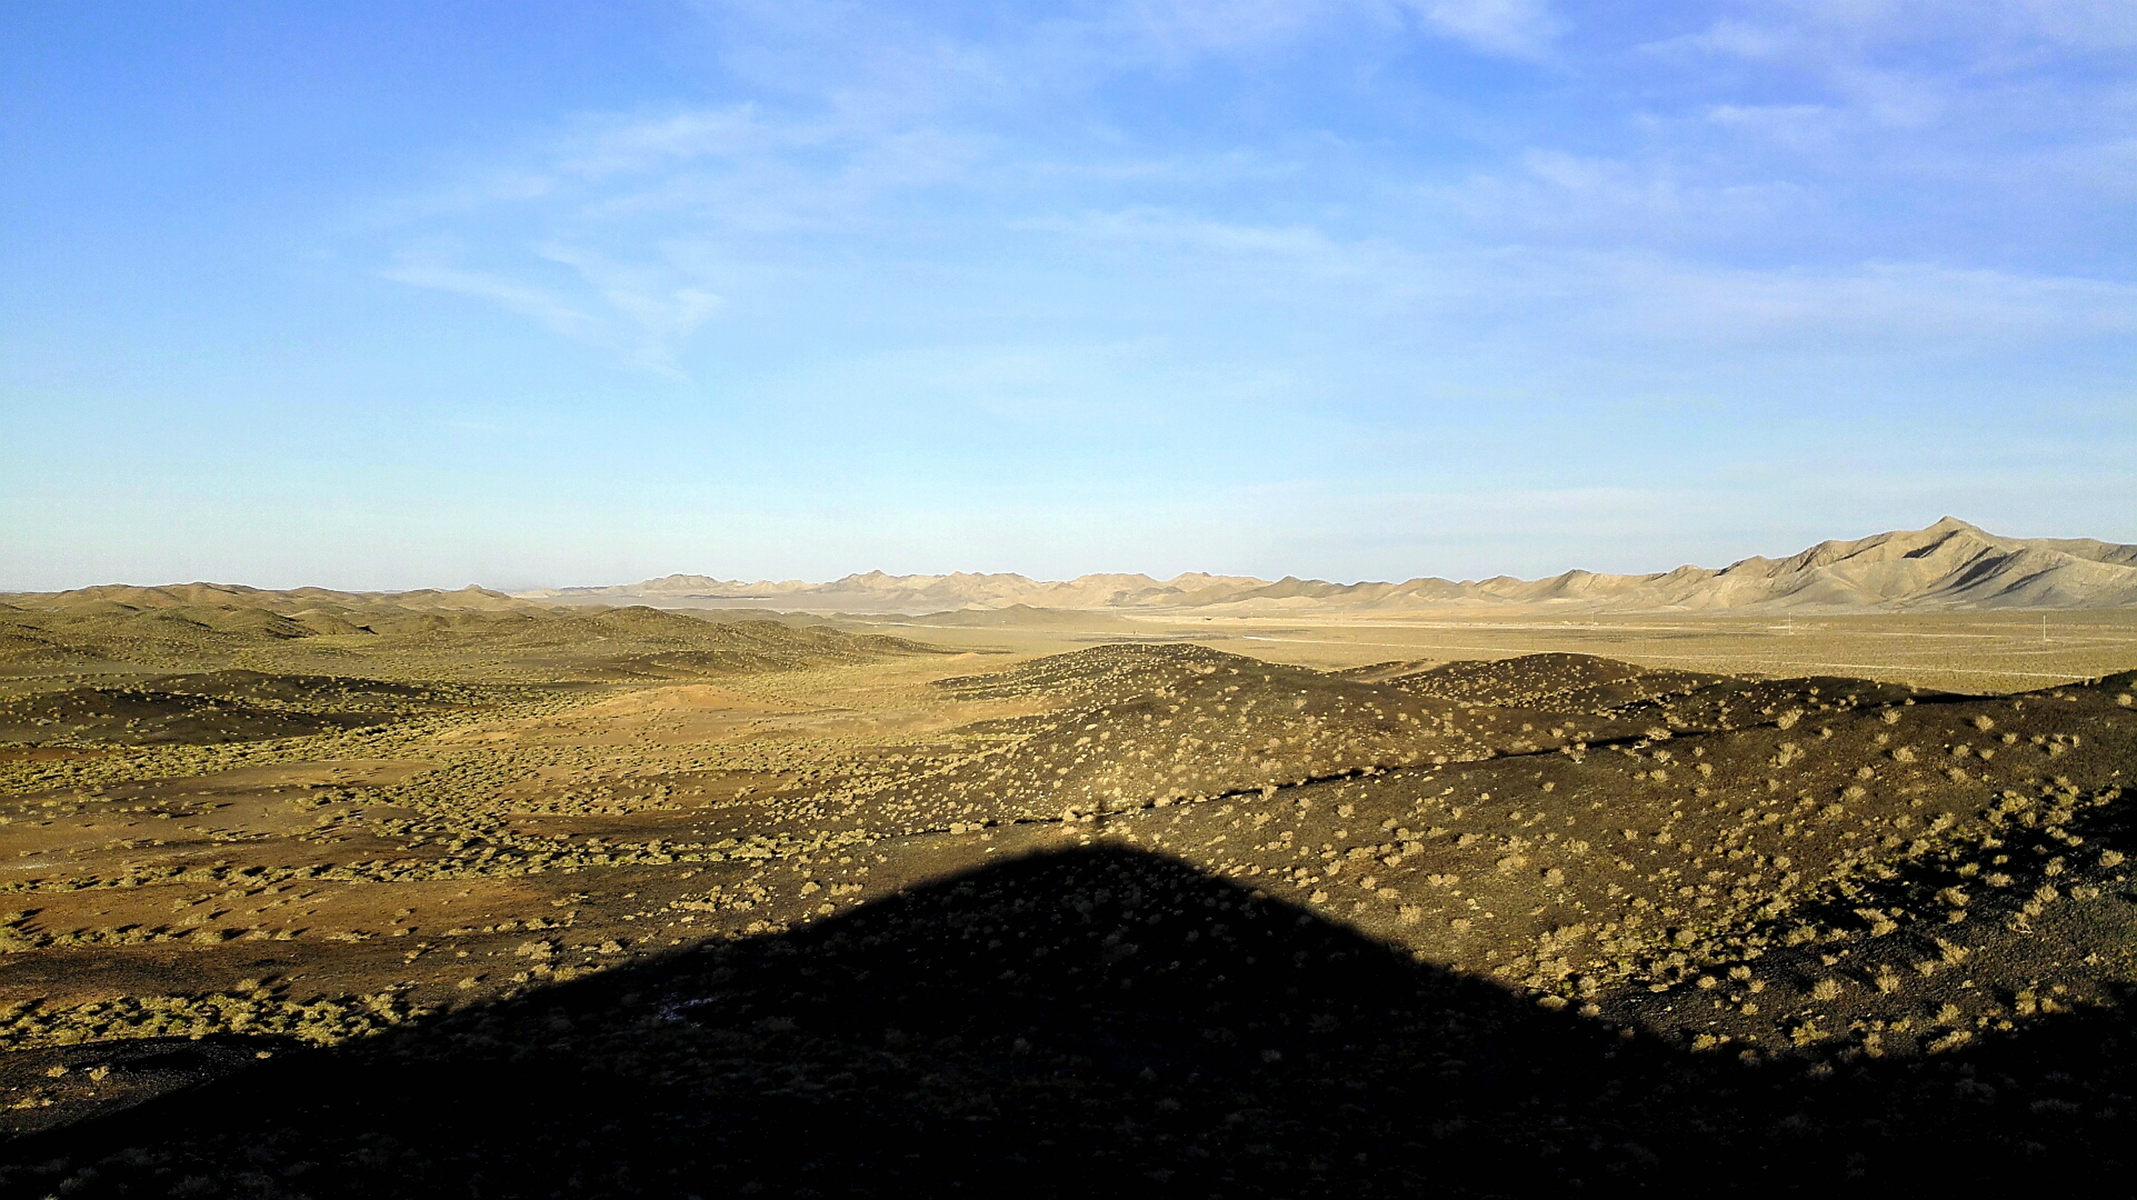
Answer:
(1561, 296)
(598, 147)
(635, 313)
(1914, 65)
(1796, 126)
(1551, 195)
(2078, 24)
(935, 147)
(1731, 37)
(1516, 28)
(545, 308)
(1151, 225)
(1103, 258)
(1989, 29)
(661, 311)
(1895, 308)
(1174, 30)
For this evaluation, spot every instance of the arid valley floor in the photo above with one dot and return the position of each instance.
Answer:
(454, 894)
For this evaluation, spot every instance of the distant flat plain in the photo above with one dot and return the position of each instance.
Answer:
(1983, 652)
(982, 887)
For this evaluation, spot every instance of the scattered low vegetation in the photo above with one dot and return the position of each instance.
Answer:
(508, 900)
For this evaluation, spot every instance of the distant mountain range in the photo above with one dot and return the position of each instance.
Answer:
(1949, 565)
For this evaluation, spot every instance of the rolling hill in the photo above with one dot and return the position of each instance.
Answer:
(427, 632)
(1950, 565)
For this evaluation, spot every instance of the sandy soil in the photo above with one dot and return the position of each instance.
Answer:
(1882, 850)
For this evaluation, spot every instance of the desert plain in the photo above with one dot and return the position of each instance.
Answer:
(325, 893)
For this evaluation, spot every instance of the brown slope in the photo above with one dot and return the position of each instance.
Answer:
(1388, 672)
(109, 597)
(1571, 683)
(171, 711)
(1524, 679)
(1134, 726)
(1640, 863)
(473, 629)
(1746, 703)
(1948, 564)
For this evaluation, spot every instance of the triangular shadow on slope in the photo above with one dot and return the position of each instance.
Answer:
(1101, 1018)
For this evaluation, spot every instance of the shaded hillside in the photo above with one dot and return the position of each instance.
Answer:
(1097, 1020)
(208, 708)
(1137, 917)
(1493, 830)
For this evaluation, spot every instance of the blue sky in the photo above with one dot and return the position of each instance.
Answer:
(383, 294)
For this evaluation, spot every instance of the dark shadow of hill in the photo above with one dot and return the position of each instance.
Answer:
(1079, 1022)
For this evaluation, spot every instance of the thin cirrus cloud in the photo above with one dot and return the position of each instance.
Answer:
(1925, 307)
(1512, 28)
(629, 311)
(1433, 276)
(1520, 28)
(1114, 212)
(1823, 29)
(544, 308)
(757, 180)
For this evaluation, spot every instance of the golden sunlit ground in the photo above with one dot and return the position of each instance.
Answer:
(1701, 840)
